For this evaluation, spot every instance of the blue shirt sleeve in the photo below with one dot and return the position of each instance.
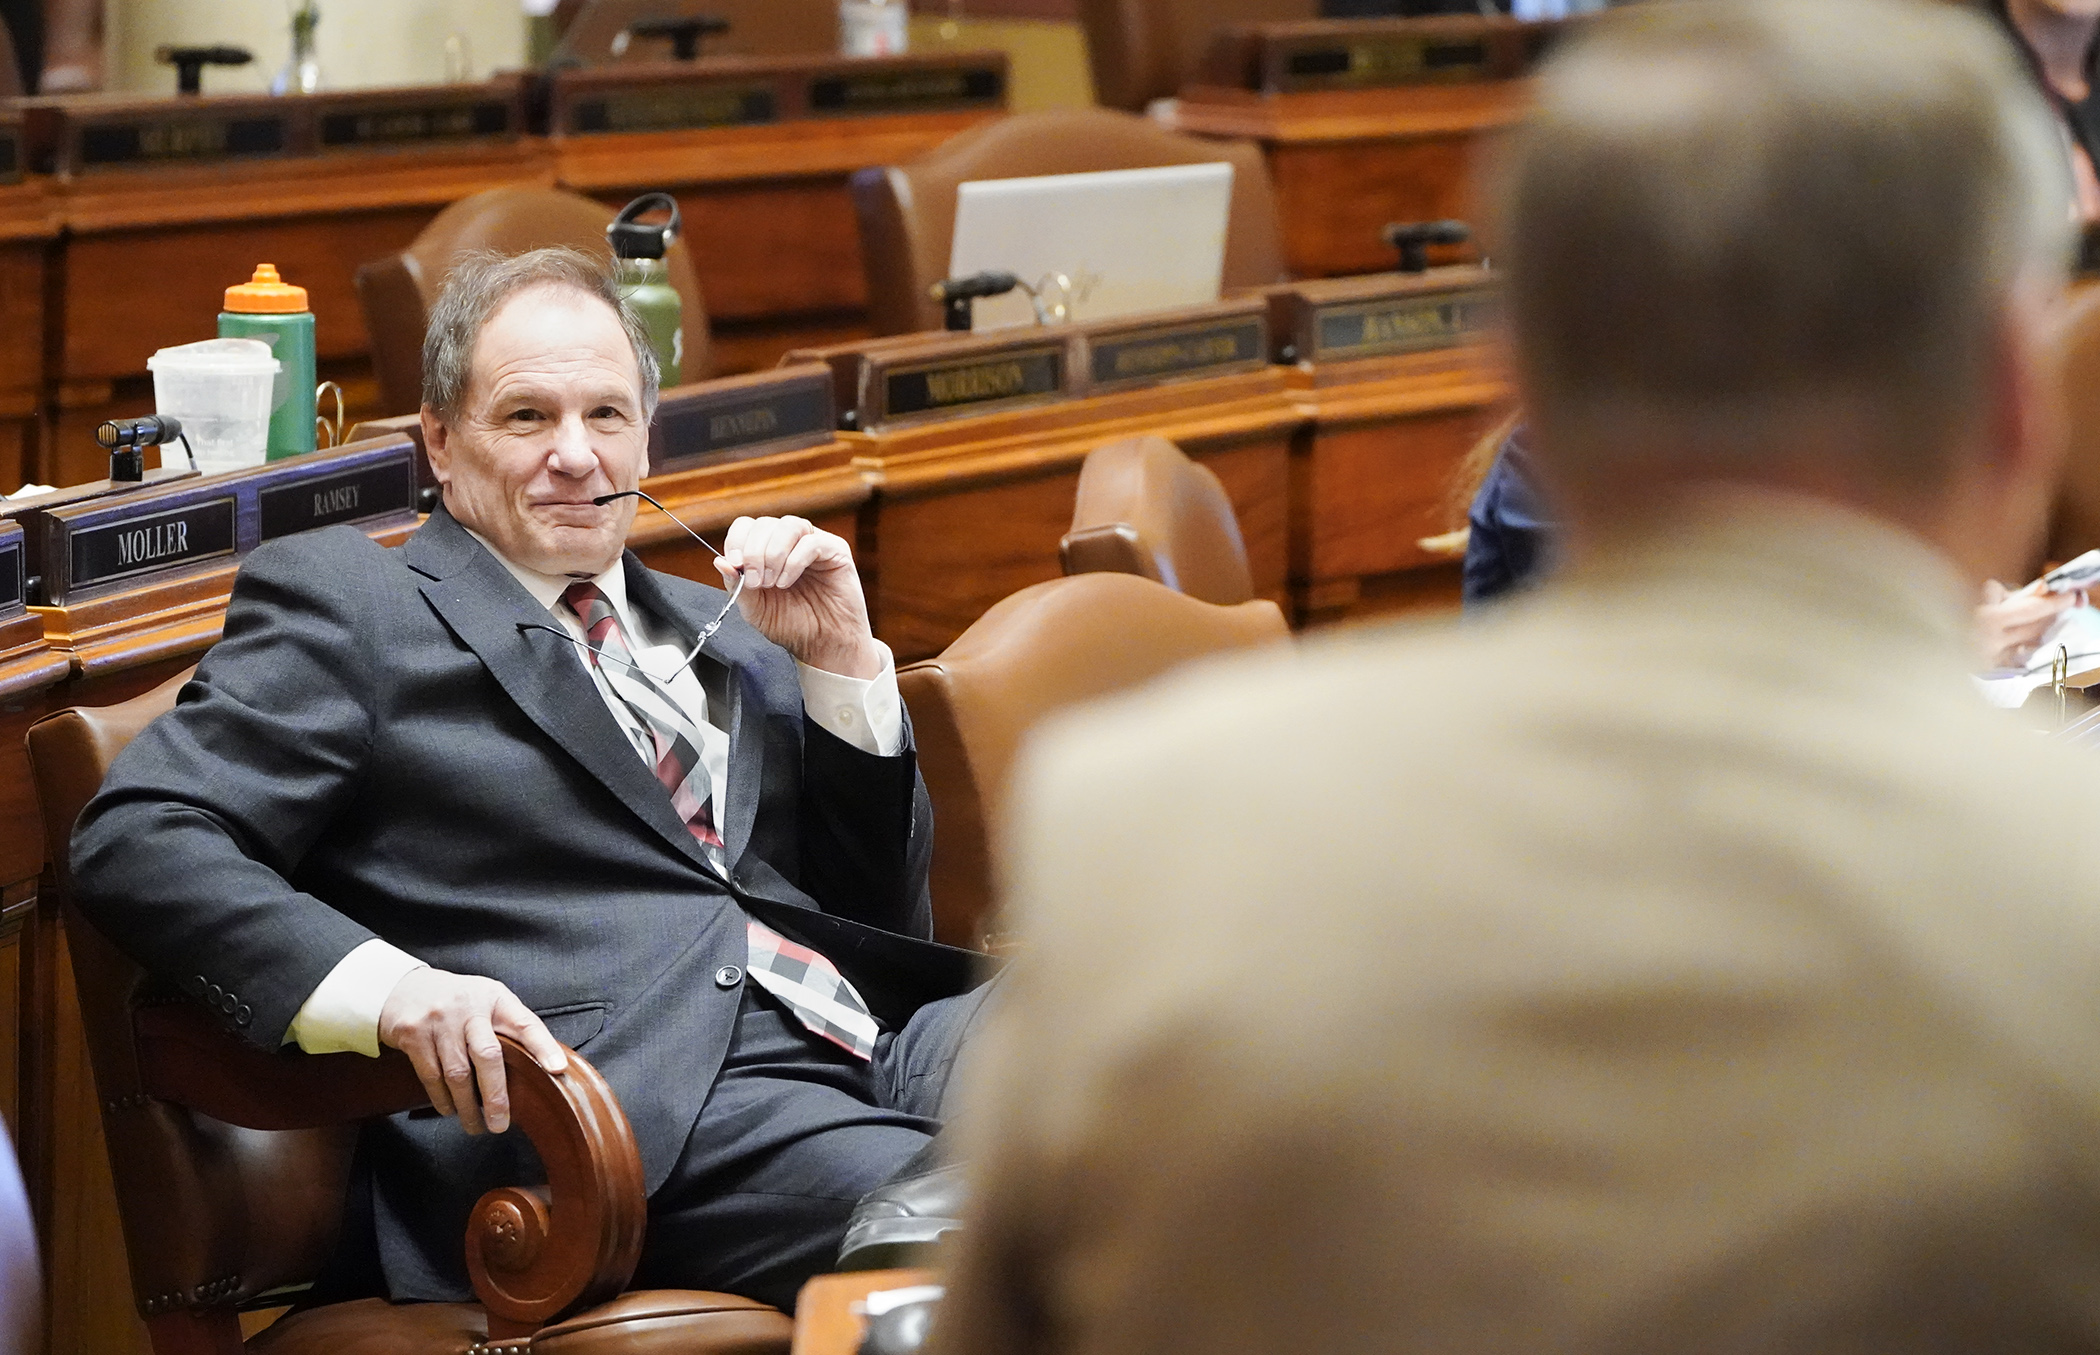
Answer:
(1507, 545)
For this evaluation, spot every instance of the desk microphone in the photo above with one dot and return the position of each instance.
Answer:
(1413, 239)
(126, 440)
(956, 294)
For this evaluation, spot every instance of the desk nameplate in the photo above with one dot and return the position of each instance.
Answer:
(713, 422)
(976, 379)
(1337, 319)
(1298, 57)
(720, 92)
(93, 546)
(674, 108)
(393, 120)
(14, 571)
(927, 89)
(1219, 342)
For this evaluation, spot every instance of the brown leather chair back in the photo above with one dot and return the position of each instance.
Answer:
(212, 1214)
(1143, 50)
(907, 212)
(1145, 508)
(1045, 648)
(2077, 519)
(396, 293)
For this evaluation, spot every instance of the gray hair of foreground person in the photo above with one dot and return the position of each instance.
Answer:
(1725, 234)
(479, 285)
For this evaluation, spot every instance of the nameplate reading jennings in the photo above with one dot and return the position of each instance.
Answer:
(325, 498)
(729, 420)
(139, 545)
(975, 383)
(1212, 348)
(175, 140)
(672, 108)
(414, 124)
(919, 90)
(1401, 325)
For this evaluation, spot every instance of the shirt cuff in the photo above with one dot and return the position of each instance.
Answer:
(342, 1015)
(865, 712)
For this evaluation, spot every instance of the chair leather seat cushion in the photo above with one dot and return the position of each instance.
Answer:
(645, 1322)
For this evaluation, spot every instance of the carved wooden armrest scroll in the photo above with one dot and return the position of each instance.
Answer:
(535, 1254)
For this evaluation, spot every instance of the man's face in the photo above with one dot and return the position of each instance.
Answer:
(552, 419)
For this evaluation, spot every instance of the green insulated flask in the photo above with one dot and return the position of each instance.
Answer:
(645, 281)
(267, 308)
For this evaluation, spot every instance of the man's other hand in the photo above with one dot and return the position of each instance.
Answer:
(802, 592)
(447, 1024)
(2010, 624)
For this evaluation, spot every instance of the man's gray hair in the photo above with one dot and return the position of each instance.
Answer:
(479, 285)
(1728, 222)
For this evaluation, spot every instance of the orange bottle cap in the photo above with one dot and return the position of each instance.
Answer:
(265, 293)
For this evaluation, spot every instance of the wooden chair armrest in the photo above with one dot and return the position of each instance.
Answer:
(535, 1255)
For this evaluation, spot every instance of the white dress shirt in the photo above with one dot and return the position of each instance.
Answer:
(342, 1013)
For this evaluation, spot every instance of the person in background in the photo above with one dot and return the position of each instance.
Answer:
(1681, 958)
(2058, 40)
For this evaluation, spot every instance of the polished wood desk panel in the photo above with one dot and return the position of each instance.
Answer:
(1345, 163)
(28, 234)
(970, 510)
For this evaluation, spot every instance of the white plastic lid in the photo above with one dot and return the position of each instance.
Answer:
(224, 357)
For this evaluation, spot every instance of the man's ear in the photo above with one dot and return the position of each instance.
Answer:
(437, 445)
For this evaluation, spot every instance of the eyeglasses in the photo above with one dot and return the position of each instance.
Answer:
(707, 632)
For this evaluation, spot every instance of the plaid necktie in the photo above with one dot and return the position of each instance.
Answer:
(809, 985)
(677, 743)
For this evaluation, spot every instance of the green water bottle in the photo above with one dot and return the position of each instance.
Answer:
(645, 281)
(267, 308)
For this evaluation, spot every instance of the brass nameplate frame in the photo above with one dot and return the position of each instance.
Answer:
(14, 571)
(1402, 325)
(674, 108)
(975, 377)
(924, 89)
(401, 119)
(714, 422)
(1296, 58)
(202, 137)
(717, 92)
(1123, 355)
(95, 546)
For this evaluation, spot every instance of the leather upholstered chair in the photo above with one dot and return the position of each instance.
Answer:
(1142, 50)
(2076, 528)
(231, 1163)
(1145, 508)
(396, 292)
(907, 212)
(1039, 651)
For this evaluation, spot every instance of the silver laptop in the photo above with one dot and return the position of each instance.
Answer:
(1111, 243)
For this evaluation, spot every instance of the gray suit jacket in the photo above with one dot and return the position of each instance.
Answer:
(1681, 959)
(378, 748)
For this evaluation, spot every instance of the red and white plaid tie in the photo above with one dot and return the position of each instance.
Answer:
(809, 985)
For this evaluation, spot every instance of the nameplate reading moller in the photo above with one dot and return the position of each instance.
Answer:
(974, 383)
(1402, 324)
(323, 499)
(1214, 348)
(181, 139)
(138, 545)
(673, 108)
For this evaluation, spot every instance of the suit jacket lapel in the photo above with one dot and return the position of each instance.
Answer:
(545, 675)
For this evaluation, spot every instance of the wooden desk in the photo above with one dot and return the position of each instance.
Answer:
(1397, 384)
(757, 152)
(969, 506)
(825, 1323)
(28, 227)
(1364, 121)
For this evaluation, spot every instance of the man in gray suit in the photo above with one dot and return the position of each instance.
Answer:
(505, 779)
(1683, 958)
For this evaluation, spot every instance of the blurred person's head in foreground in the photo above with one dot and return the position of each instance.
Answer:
(1806, 244)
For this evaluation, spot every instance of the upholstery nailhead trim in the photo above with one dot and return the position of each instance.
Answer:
(137, 1101)
(203, 1296)
(499, 1347)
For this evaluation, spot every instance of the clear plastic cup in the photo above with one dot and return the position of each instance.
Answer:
(222, 391)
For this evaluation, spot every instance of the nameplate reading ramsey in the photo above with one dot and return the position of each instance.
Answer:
(908, 91)
(413, 125)
(672, 108)
(1214, 349)
(137, 545)
(975, 383)
(1402, 325)
(322, 500)
(176, 140)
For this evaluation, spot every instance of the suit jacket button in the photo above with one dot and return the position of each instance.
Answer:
(242, 1015)
(728, 976)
